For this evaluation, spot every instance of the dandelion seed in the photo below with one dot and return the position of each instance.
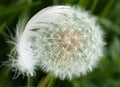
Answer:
(62, 40)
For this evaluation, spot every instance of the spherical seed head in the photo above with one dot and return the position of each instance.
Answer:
(63, 40)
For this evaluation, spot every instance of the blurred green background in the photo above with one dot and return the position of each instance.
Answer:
(107, 74)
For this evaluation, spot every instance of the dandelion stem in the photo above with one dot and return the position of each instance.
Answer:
(28, 81)
(51, 82)
(44, 81)
(75, 83)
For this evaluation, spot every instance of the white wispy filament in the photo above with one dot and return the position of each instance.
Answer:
(62, 40)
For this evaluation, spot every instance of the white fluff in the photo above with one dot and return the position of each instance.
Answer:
(39, 44)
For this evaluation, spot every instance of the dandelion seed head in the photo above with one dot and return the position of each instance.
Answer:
(63, 40)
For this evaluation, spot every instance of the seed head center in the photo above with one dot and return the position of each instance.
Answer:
(68, 40)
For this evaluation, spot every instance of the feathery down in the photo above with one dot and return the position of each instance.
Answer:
(62, 40)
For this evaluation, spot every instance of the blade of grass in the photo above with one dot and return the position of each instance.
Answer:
(12, 9)
(2, 27)
(106, 9)
(55, 2)
(4, 76)
(110, 26)
(81, 3)
(37, 3)
(86, 3)
(95, 2)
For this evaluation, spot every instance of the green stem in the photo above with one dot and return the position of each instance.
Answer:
(44, 81)
(75, 83)
(28, 81)
(51, 82)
